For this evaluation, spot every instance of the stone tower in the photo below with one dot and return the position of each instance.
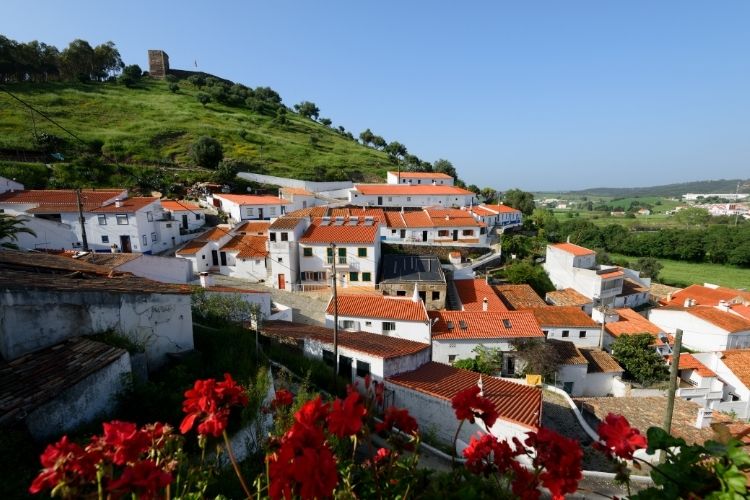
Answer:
(158, 63)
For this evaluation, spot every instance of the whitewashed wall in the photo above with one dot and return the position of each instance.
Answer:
(162, 269)
(591, 339)
(410, 330)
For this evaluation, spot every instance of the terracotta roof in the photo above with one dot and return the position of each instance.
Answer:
(193, 246)
(560, 316)
(705, 296)
(515, 402)
(631, 323)
(472, 293)
(690, 362)
(743, 311)
(35, 378)
(600, 361)
(501, 208)
(297, 191)
(611, 274)
(108, 259)
(481, 211)
(738, 361)
(286, 222)
(91, 198)
(345, 233)
(381, 346)
(127, 206)
(180, 206)
(727, 321)
(18, 260)
(411, 189)
(378, 306)
(231, 289)
(59, 208)
(630, 286)
(568, 353)
(318, 211)
(519, 297)
(484, 325)
(568, 297)
(573, 249)
(247, 246)
(255, 227)
(422, 175)
(252, 199)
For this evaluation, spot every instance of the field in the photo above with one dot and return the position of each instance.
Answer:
(150, 125)
(678, 273)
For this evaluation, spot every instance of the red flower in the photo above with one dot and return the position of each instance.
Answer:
(346, 416)
(399, 418)
(561, 459)
(524, 484)
(211, 401)
(312, 412)
(470, 405)
(144, 478)
(486, 455)
(619, 437)
(64, 462)
(381, 455)
(283, 398)
(121, 442)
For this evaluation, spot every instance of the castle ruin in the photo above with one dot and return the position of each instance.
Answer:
(158, 63)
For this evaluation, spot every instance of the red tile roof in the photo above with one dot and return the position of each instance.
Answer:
(258, 228)
(573, 249)
(247, 246)
(90, 197)
(568, 297)
(180, 206)
(297, 191)
(611, 274)
(738, 361)
(690, 362)
(481, 211)
(568, 353)
(631, 323)
(378, 306)
(127, 206)
(519, 297)
(252, 199)
(380, 346)
(560, 316)
(422, 175)
(484, 325)
(743, 311)
(727, 321)
(472, 293)
(286, 222)
(600, 361)
(705, 296)
(411, 189)
(318, 232)
(514, 402)
(193, 246)
(501, 208)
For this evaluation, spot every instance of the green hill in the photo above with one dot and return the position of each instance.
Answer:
(667, 190)
(149, 125)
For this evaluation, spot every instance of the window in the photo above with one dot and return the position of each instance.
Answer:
(307, 252)
(272, 210)
(390, 198)
(272, 236)
(313, 276)
(546, 333)
(145, 241)
(389, 326)
(353, 276)
(328, 357)
(435, 295)
(197, 216)
(150, 216)
(329, 254)
(361, 252)
(284, 236)
(451, 358)
(105, 239)
(408, 198)
(565, 333)
(400, 293)
(169, 225)
(443, 232)
(363, 369)
(102, 219)
(342, 255)
(368, 323)
(281, 259)
(154, 237)
(582, 334)
(468, 232)
(366, 277)
(122, 219)
(347, 324)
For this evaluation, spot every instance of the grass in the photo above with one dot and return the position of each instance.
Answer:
(150, 125)
(682, 274)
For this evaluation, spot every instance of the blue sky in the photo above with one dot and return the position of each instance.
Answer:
(544, 95)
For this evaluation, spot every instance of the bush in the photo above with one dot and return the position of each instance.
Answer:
(206, 152)
(641, 361)
(174, 88)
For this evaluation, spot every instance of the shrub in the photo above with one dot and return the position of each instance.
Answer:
(206, 152)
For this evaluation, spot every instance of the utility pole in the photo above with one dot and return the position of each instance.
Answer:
(82, 220)
(335, 323)
(673, 371)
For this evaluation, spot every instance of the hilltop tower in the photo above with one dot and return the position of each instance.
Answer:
(158, 63)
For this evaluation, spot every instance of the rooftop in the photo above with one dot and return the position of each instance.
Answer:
(514, 402)
(572, 249)
(254, 227)
(400, 268)
(600, 361)
(35, 378)
(568, 297)
(247, 246)
(380, 346)
(738, 361)
(378, 306)
(727, 321)
(519, 297)
(501, 208)
(110, 260)
(690, 362)
(180, 206)
(484, 325)
(213, 234)
(91, 198)
(472, 293)
(342, 231)
(297, 191)
(411, 189)
(631, 323)
(707, 296)
(568, 353)
(562, 316)
(252, 199)
(127, 206)
(285, 223)
(422, 175)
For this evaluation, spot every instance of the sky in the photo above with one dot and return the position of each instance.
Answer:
(540, 95)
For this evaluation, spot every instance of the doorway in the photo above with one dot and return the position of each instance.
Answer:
(380, 200)
(455, 235)
(345, 367)
(282, 282)
(424, 235)
(125, 244)
(260, 213)
(214, 258)
(223, 256)
(184, 221)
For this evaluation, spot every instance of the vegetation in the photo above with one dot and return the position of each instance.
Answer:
(682, 274)
(206, 152)
(519, 272)
(520, 200)
(639, 359)
(487, 360)
(539, 357)
(667, 190)
(10, 227)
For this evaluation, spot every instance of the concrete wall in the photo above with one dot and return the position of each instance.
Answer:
(590, 339)
(88, 400)
(410, 330)
(313, 186)
(49, 234)
(428, 287)
(34, 319)
(575, 374)
(9, 185)
(162, 269)
(599, 384)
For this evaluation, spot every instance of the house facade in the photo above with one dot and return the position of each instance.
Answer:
(496, 216)
(284, 235)
(401, 195)
(568, 324)
(705, 328)
(241, 207)
(400, 317)
(434, 226)
(419, 178)
(731, 367)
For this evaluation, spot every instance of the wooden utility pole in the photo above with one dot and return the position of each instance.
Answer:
(673, 371)
(82, 220)
(335, 323)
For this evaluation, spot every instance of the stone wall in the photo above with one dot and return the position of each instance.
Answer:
(158, 63)
(407, 289)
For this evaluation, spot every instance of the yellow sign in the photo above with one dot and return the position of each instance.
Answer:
(534, 379)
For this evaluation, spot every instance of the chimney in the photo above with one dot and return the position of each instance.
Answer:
(415, 295)
(704, 418)
(206, 280)
(484, 304)
(118, 202)
(688, 302)
(568, 239)
(723, 306)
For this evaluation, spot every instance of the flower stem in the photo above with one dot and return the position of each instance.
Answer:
(236, 466)
(455, 440)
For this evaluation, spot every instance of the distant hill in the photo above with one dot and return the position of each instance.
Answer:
(669, 190)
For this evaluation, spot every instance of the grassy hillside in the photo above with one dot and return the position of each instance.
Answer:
(711, 186)
(149, 125)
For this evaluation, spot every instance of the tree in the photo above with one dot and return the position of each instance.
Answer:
(692, 216)
(649, 267)
(226, 172)
(203, 98)
(379, 142)
(77, 61)
(131, 75)
(366, 137)
(641, 362)
(489, 195)
(326, 121)
(197, 80)
(520, 200)
(487, 360)
(395, 151)
(520, 272)
(473, 188)
(174, 88)
(230, 307)
(539, 357)
(106, 60)
(307, 109)
(444, 167)
(206, 152)
(9, 228)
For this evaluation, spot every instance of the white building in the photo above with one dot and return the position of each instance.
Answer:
(153, 267)
(731, 367)
(496, 216)
(299, 198)
(188, 215)
(285, 234)
(353, 243)
(410, 195)
(419, 178)
(568, 323)
(585, 372)
(400, 317)
(705, 328)
(244, 256)
(241, 207)
(203, 251)
(434, 226)
(698, 383)
(455, 334)
(9, 185)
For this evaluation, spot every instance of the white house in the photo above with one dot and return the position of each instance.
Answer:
(625, 321)
(410, 195)
(419, 178)
(285, 234)
(241, 207)
(427, 393)
(401, 317)
(244, 256)
(190, 216)
(585, 372)
(299, 198)
(705, 328)
(731, 367)
(153, 267)
(496, 216)
(434, 226)
(203, 251)
(353, 243)
(455, 334)
(698, 383)
(9, 185)
(568, 323)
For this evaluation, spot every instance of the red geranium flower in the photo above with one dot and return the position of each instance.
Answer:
(283, 398)
(399, 418)
(381, 454)
(312, 412)
(487, 454)
(211, 401)
(561, 458)
(524, 484)
(121, 442)
(144, 478)
(470, 405)
(64, 462)
(619, 437)
(345, 418)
